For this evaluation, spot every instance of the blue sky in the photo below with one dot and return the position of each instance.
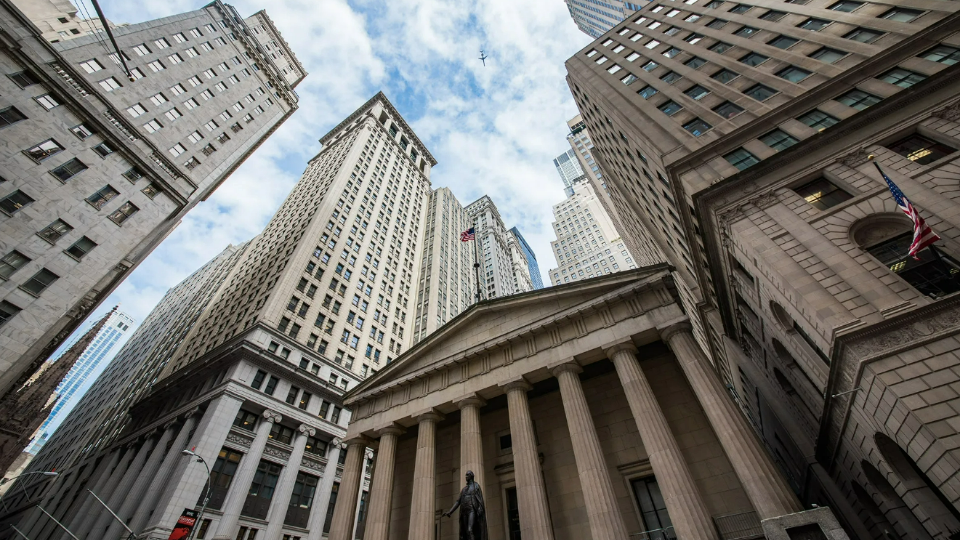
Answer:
(493, 129)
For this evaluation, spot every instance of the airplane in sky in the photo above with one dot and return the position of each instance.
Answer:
(483, 57)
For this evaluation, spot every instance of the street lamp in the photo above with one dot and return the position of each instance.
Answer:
(206, 498)
(5, 480)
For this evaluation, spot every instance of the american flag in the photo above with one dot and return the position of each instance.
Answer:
(923, 235)
(468, 235)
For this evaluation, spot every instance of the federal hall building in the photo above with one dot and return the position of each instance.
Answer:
(585, 410)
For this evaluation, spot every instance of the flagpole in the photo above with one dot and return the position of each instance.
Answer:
(476, 263)
(872, 158)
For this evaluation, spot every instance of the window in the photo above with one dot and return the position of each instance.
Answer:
(725, 75)
(158, 99)
(47, 101)
(783, 42)
(902, 77)
(695, 62)
(271, 385)
(720, 47)
(103, 150)
(52, 232)
(814, 24)
(778, 140)
(281, 433)
(40, 281)
(717, 24)
(258, 379)
(858, 99)
(194, 81)
(177, 150)
(152, 126)
(652, 44)
(156, 66)
(12, 203)
(846, 6)
(11, 262)
(91, 66)
(671, 77)
(650, 66)
(728, 110)
(173, 114)
(611, 70)
(629, 79)
(175, 59)
(246, 419)
(162, 43)
(141, 50)
(136, 110)
(653, 509)
(793, 74)
(746, 31)
(10, 116)
(753, 59)
(304, 490)
(943, 54)
(696, 91)
(266, 478)
(292, 395)
(102, 197)
(647, 92)
(43, 150)
(81, 247)
(828, 55)
(69, 169)
(211, 125)
(932, 272)
(151, 190)
(741, 159)
(23, 79)
(822, 194)
(693, 38)
(740, 8)
(670, 108)
(136, 74)
(194, 137)
(920, 149)
(206, 95)
(818, 119)
(697, 127)
(902, 14)
(671, 52)
(773, 15)
(179, 38)
(864, 35)
(133, 174)
(192, 52)
(7, 311)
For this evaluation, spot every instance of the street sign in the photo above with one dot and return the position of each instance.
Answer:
(184, 525)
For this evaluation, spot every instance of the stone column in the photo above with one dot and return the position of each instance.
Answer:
(288, 478)
(318, 514)
(423, 501)
(686, 508)
(145, 477)
(764, 483)
(240, 486)
(343, 519)
(381, 487)
(606, 522)
(119, 494)
(535, 522)
(104, 473)
(471, 445)
(148, 502)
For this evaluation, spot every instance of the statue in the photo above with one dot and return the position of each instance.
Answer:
(473, 515)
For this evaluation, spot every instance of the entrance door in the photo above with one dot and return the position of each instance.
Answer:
(513, 515)
(656, 520)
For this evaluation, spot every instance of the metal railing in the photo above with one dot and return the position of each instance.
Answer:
(742, 526)
(666, 533)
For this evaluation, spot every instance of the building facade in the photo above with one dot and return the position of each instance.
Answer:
(99, 168)
(447, 281)
(595, 17)
(582, 146)
(743, 138)
(113, 330)
(60, 20)
(570, 171)
(504, 269)
(534, 269)
(585, 410)
(587, 245)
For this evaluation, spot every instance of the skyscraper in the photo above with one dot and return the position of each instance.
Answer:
(580, 143)
(570, 171)
(59, 20)
(531, 257)
(503, 266)
(595, 17)
(741, 140)
(113, 330)
(587, 245)
(99, 167)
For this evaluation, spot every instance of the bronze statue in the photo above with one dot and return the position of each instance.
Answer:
(473, 515)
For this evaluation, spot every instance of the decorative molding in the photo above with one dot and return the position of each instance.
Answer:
(239, 440)
(854, 159)
(312, 464)
(276, 452)
(272, 416)
(896, 334)
(765, 200)
(306, 430)
(950, 112)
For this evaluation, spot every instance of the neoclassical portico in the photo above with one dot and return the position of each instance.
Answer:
(605, 370)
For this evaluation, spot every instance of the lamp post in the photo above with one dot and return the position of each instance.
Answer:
(206, 498)
(5, 480)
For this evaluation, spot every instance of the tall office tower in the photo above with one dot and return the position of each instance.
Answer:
(98, 169)
(587, 245)
(568, 167)
(504, 269)
(595, 17)
(532, 267)
(447, 283)
(579, 139)
(59, 20)
(113, 330)
(739, 136)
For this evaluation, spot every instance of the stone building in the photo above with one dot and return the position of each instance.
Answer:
(98, 166)
(504, 268)
(735, 137)
(585, 410)
(60, 20)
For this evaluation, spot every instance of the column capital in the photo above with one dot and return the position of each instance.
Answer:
(519, 383)
(625, 345)
(272, 417)
(192, 412)
(569, 365)
(306, 430)
(170, 424)
(359, 440)
(428, 415)
(669, 331)
(470, 400)
(392, 428)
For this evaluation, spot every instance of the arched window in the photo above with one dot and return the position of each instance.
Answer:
(894, 507)
(887, 237)
(879, 523)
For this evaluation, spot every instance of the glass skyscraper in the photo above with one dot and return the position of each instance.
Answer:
(531, 259)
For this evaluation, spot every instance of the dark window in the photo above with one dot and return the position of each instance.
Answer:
(265, 480)
(828, 55)
(331, 505)
(40, 281)
(741, 159)
(940, 53)
(653, 509)
(305, 401)
(671, 52)
(814, 24)
(271, 385)
(81, 247)
(793, 74)
(920, 149)
(23, 79)
(720, 47)
(933, 272)
(846, 6)
(671, 77)
(697, 127)
(102, 197)
(121, 214)
(281, 433)
(760, 92)
(696, 91)
(822, 193)
(717, 24)
(901, 14)
(670, 108)
(647, 92)
(725, 75)
(292, 395)
(783, 42)
(316, 447)
(728, 110)
(103, 150)
(773, 15)
(11, 262)
(43, 150)
(324, 409)
(7, 311)
(902, 77)
(753, 59)
(695, 62)
(858, 99)
(245, 419)
(740, 8)
(818, 119)
(778, 140)
(304, 490)
(224, 468)
(258, 379)
(69, 169)
(10, 116)
(202, 531)
(746, 31)
(52, 232)
(133, 174)
(864, 35)
(12, 203)
(335, 417)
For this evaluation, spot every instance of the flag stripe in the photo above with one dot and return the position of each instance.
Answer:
(468, 235)
(923, 235)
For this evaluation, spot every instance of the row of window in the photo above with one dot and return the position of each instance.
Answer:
(268, 385)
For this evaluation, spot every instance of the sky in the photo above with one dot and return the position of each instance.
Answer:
(493, 129)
